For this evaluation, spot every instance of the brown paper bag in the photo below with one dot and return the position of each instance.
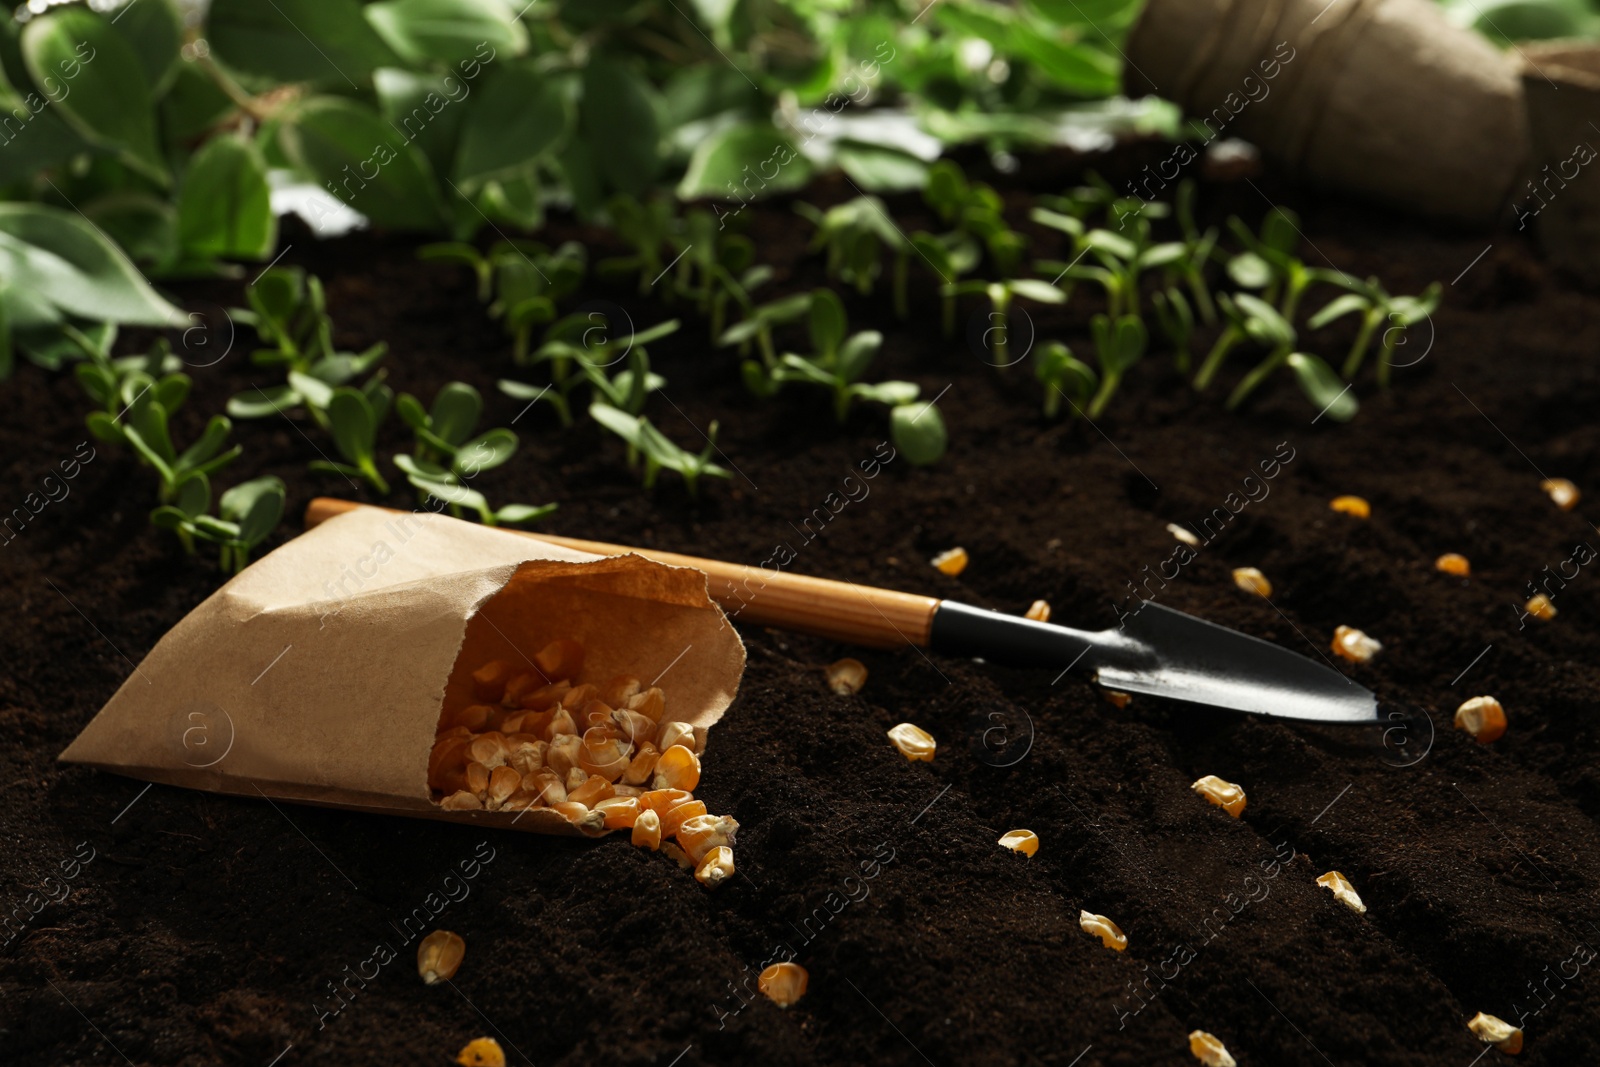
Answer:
(319, 674)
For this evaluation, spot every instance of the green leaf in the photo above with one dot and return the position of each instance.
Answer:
(456, 410)
(193, 105)
(1263, 322)
(224, 204)
(1250, 271)
(209, 443)
(448, 31)
(320, 41)
(827, 322)
(260, 403)
(1080, 69)
(257, 506)
(1041, 292)
(1323, 387)
(519, 116)
(142, 225)
(890, 394)
(857, 354)
(347, 147)
(74, 267)
(521, 513)
(1338, 308)
(109, 101)
(154, 29)
(314, 392)
(194, 495)
(917, 430)
(427, 109)
(743, 162)
(485, 452)
(354, 427)
(619, 118)
(880, 169)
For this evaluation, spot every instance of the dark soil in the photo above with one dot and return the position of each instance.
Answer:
(208, 929)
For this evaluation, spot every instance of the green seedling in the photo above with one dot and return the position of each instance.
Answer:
(433, 481)
(248, 513)
(1118, 345)
(1264, 325)
(949, 257)
(1121, 260)
(1082, 201)
(1199, 251)
(1269, 264)
(528, 280)
(759, 322)
(117, 385)
(354, 418)
(1001, 295)
(975, 211)
(1248, 318)
(658, 452)
(855, 233)
(716, 267)
(1176, 320)
(648, 227)
(580, 349)
(1377, 308)
(460, 252)
(918, 432)
(836, 363)
(1063, 376)
(444, 438)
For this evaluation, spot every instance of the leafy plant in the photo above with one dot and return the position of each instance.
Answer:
(1118, 345)
(1177, 323)
(855, 234)
(353, 418)
(583, 341)
(1063, 376)
(1377, 308)
(1001, 295)
(444, 431)
(657, 450)
(247, 515)
(759, 322)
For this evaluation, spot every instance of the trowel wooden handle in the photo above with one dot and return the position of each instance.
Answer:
(842, 611)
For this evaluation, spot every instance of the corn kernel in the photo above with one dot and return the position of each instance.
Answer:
(619, 690)
(642, 766)
(561, 724)
(647, 830)
(564, 753)
(461, 800)
(1353, 645)
(621, 812)
(482, 1052)
(503, 781)
(1109, 933)
(1225, 795)
(1342, 890)
(1023, 841)
(579, 695)
(1453, 563)
(489, 681)
(673, 818)
(1354, 506)
(636, 728)
(664, 800)
(783, 983)
(913, 742)
(1252, 581)
(527, 756)
(676, 733)
(652, 704)
(582, 816)
(847, 676)
(623, 790)
(603, 755)
(477, 780)
(951, 562)
(677, 855)
(1483, 718)
(547, 786)
(1183, 534)
(702, 833)
(535, 694)
(560, 660)
(1209, 1051)
(1563, 492)
(678, 768)
(1539, 607)
(488, 749)
(1116, 698)
(1497, 1032)
(592, 791)
(1038, 611)
(715, 868)
(439, 956)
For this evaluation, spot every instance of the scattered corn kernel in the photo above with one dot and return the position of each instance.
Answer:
(1023, 841)
(652, 704)
(620, 690)
(1497, 1032)
(913, 742)
(1483, 718)
(1209, 1051)
(482, 1052)
(673, 852)
(951, 562)
(1563, 492)
(676, 733)
(1116, 698)
(461, 800)
(1342, 890)
(503, 781)
(1353, 645)
(1351, 505)
(1539, 607)
(1453, 563)
(439, 956)
(678, 768)
(673, 818)
(716, 867)
(582, 816)
(1038, 611)
(647, 830)
(847, 676)
(702, 833)
(642, 766)
(1109, 933)
(1225, 795)
(1252, 581)
(662, 801)
(1184, 534)
(591, 791)
(621, 812)
(783, 983)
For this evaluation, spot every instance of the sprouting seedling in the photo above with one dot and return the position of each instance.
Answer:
(119, 384)
(918, 432)
(353, 418)
(975, 211)
(1001, 295)
(582, 342)
(1199, 249)
(648, 227)
(839, 361)
(431, 480)
(658, 451)
(248, 513)
(948, 257)
(1119, 261)
(716, 266)
(855, 233)
(1176, 320)
(759, 322)
(1063, 376)
(1118, 345)
(144, 429)
(1082, 201)
(529, 278)
(460, 252)
(1266, 326)
(444, 437)
(1249, 318)
(1270, 265)
(1377, 308)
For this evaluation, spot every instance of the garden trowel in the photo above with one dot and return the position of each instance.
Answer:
(1155, 650)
